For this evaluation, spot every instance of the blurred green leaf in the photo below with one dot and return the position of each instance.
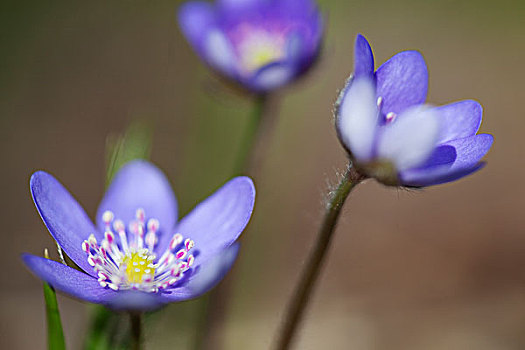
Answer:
(107, 330)
(97, 337)
(55, 334)
(135, 143)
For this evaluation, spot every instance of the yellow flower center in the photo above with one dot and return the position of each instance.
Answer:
(260, 57)
(139, 267)
(259, 47)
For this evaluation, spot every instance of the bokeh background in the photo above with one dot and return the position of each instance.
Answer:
(442, 268)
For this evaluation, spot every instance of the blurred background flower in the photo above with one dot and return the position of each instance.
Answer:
(260, 44)
(442, 270)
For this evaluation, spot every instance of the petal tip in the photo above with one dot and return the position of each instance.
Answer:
(26, 257)
(416, 59)
(193, 18)
(140, 162)
(245, 181)
(361, 40)
(37, 182)
(488, 140)
(413, 54)
(140, 167)
(191, 8)
(474, 103)
(37, 177)
(363, 57)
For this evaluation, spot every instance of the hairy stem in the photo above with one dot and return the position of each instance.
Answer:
(301, 295)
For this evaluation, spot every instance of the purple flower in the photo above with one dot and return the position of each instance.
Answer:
(260, 44)
(392, 136)
(138, 256)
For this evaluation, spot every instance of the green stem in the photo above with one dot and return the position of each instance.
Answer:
(98, 337)
(204, 323)
(136, 330)
(213, 305)
(250, 137)
(303, 291)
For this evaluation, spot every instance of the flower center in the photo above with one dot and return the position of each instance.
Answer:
(125, 259)
(138, 267)
(257, 47)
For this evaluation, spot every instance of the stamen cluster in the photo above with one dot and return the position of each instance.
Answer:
(125, 259)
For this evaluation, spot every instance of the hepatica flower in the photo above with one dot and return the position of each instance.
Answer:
(260, 44)
(392, 136)
(138, 256)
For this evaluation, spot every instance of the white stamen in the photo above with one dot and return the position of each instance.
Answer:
(118, 225)
(189, 244)
(175, 241)
(153, 225)
(107, 217)
(131, 264)
(140, 215)
(151, 239)
(92, 240)
(85, 247)
(60, 254)
(390, 117)
(109, 236)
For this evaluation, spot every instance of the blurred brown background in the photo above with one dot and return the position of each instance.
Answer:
(440, 269)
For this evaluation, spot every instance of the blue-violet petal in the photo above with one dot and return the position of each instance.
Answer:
(140, 185)
(217, 222)
(65, 219)
(402, 81)
(68, 280)
(460, 119)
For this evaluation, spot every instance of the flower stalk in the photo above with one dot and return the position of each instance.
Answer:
(259, 130)
(136, 330)
(255, 127)
(301, 295)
